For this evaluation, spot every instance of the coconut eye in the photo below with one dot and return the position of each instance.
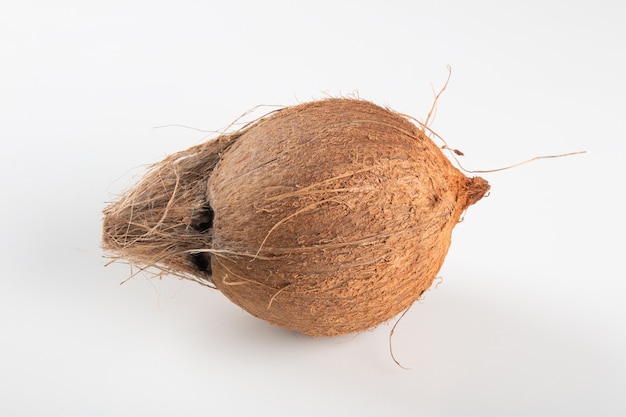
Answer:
(203, 221)
(202, 261)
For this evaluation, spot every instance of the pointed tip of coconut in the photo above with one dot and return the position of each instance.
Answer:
(475, 189)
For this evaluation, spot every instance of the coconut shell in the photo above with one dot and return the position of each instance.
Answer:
(326, 218)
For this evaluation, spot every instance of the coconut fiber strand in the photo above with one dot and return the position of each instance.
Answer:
(327, 218)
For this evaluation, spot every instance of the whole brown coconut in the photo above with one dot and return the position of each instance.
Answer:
(327, 218)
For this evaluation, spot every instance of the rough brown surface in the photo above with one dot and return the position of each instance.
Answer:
(327, 218)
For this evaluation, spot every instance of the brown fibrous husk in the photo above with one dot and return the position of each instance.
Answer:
(326, 218)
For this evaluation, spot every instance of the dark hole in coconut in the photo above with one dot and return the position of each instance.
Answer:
(202, 261)
(202, 223)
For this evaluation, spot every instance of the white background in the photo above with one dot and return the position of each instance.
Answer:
(528, 319)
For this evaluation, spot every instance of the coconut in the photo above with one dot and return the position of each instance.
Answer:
(327, 218)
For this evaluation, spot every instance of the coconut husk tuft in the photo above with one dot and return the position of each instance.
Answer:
(326, 218)
(161, 221)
